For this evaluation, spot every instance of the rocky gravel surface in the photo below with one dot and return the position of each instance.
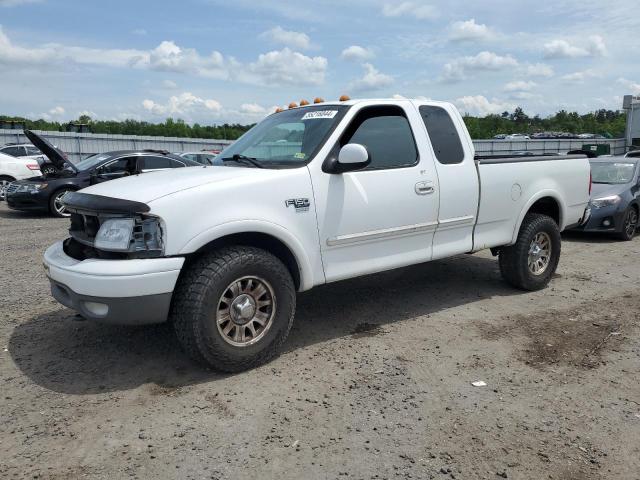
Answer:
(374, 382)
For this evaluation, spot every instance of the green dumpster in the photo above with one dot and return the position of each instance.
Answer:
(597, 148)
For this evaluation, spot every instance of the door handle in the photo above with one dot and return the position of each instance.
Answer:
(424, 188)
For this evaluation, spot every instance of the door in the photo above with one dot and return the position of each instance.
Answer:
(119, 168)
(459, 185)
(385, 215)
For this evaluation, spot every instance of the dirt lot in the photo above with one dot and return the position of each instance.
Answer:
(374, 382)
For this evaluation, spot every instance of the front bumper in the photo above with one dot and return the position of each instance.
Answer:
(607, 219)
(28, 201)
(127, 292)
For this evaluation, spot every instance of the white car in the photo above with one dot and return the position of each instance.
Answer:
(13, 168)
(22, 150)
(204, 158)
(517, 136)
(358, 187)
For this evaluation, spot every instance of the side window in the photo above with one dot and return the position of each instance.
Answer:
(119, 166)
(33, 151)
(13, 151)
(386, 133)
(155, 163)
(190, 156)
(444, 136)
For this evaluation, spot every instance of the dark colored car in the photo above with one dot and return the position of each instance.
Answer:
(615, 197)
(44, 193)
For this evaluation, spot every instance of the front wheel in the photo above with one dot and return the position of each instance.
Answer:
(629, 225)
(530, 263)
(233, 308)
(56, 206)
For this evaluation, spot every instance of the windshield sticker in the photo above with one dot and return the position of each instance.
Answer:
(319, 114)
(300, 155)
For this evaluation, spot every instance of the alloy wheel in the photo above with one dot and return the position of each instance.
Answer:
(539, 253)
(245, 311)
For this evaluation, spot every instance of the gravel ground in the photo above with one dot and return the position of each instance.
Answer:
(374, 382)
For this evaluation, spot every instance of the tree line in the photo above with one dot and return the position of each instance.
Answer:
(609, 123)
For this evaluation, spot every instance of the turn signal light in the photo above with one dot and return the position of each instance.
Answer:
(33, 166)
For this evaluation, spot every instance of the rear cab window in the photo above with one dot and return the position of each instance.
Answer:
(443, 134)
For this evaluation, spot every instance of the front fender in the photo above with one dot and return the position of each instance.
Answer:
(258, 226)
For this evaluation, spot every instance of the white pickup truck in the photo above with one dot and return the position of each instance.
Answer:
(310, 195)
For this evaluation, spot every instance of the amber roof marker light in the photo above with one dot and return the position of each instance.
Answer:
(304, 103)
(318, 100)
(344, 98)
(293, 105)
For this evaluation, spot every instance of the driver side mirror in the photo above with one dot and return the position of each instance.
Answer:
(351, 157)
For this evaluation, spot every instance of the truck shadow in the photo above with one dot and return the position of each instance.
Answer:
(78, 358)
(589, 237)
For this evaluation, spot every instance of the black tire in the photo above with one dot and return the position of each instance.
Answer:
(514, 260)
(52, 203)
(629, 224)
(197, 299)
(5, 180)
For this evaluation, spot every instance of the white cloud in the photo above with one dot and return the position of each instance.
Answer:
(288, 38)
(56, 111)
(279, 68)
(169, 84)
(182, 104)
(468, 31)
(252, 108)
(356, 53)
(579, 77)
(480, 105)
(483, 61)
(371, 80)
(539, 70)
(139, 31)
(594, 47)
(411, 9)
(633, 87)
(286, 67)
(519, 86)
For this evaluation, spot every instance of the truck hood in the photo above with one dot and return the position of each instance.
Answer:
(150, 186)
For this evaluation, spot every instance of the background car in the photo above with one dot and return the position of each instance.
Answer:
(21, 150)
(517, 136)
(203, 158)
(44, 193)
(13, 168)
(615, 202)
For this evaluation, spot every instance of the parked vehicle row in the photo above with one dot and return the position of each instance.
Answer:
(45, 192)
(547, 135)
(16, 168)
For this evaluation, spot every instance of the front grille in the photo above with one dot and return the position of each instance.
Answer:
(11, 188)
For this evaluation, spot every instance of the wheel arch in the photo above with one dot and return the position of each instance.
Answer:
(545, 202)
(267, 236)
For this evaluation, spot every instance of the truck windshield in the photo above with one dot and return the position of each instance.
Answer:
(612, 172)
(286, 139)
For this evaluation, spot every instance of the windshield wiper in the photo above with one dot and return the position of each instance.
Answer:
(243, 158)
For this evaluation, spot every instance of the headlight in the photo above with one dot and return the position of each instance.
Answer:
(605, 201)
(115, 235)
(31, 187)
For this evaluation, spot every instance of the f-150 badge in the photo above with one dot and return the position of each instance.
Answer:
(300, 204)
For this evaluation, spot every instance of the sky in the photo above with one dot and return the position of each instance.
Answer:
(217, 61)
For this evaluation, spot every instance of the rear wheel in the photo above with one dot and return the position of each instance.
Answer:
(56, 207)
(629, 225)
(530, 263)
(5, 180)
(233, 308)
